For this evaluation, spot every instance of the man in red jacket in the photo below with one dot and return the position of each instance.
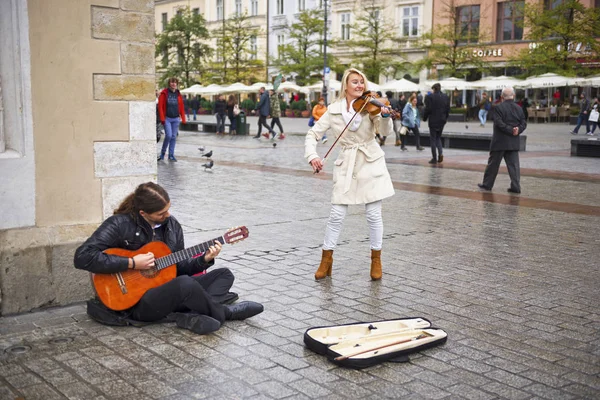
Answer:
(171, 112)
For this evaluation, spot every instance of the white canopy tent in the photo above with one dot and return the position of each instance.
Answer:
(333, 85)
(194, 89)
(210, 89)
(589, 81)
(258, 85)
(497, 83)
(292, 87)
(237, 87)
(450, 84)
(400, 85)
(548, 80)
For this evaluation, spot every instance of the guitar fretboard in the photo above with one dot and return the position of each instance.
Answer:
(174, 258)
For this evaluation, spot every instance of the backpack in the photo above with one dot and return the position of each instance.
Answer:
(236, 110)
(487, 106)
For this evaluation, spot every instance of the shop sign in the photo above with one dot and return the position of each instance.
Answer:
(487, 52)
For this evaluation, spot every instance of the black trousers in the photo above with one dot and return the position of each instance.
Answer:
(511, 157)
(274, 121)
(435, 139)
(262, 121)
(186, 293)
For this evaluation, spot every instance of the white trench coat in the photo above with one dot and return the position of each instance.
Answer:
(360, 175)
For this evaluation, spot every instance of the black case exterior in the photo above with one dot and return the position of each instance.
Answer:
(359, 363)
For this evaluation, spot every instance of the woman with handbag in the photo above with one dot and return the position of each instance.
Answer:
(232, 112)
(411, 120)
(594, 114)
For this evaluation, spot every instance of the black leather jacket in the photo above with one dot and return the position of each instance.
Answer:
(122, 231)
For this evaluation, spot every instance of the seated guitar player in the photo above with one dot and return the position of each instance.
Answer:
(197, 302)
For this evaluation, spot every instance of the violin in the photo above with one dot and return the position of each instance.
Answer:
(371, 102)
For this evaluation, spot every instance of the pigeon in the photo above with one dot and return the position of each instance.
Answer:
(208, 155)
(208, 165)
(201, 148)
(467, 126)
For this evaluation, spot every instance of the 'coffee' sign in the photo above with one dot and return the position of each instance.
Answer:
(487, 53)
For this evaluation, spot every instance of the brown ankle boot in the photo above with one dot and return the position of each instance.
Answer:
(398, 143)
(376, 265)
(325, 266)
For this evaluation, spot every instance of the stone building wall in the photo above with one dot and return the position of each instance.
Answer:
(92, 114)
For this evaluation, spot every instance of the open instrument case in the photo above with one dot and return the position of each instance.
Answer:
(362, 345)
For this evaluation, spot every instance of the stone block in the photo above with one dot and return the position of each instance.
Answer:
(115, 24)
(116, 159)
(138, 5)
(137, 58)
(114, 190)
(124, 87)
(36, 267)
(142, 120)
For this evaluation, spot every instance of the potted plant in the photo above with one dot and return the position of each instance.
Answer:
(300, 109)
(248, 106)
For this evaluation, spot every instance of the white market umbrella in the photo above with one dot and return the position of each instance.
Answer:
(451, 84)
(210, 89)
(548, 80)
(373, 86)
(237, 87)
(400, 85)
(334, 84)
(258, 85)
(292, 87)
(497, 83)
(194, 89)
(589, 81)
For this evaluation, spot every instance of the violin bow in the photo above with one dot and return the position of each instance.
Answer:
(340, 135)
(412, 339)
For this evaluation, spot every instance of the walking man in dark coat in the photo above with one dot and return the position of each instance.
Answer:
(264, 110)
(509, 123)
(437, 108)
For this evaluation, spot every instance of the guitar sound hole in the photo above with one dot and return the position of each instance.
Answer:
(149, 273)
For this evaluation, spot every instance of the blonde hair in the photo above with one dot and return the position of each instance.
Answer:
(345, 81)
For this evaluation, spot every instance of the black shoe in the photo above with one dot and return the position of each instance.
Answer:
(440, 158)
(243, 310)
(382, 140)
(511, 190)
(160, 158)
(197, 323)
(481, 186)
(227, 298)
(257, 136)
(433, 161)
(403, 148)
(420, 148)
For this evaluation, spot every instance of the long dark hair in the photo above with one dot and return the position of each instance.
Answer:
(148, 197)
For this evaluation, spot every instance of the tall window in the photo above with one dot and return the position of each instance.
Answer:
(179, 55)
(374, 15)
(467, 24)
(195, 11)
(279, 7)
(301, 5)
(552, 4)
(253, 48)
(238, 7)
(345, 25)
(165, 58)
(219, 53)
(409, 26)
(254, 7)
(280, 44)
(510, 21)
(219, 9)
(165, 21)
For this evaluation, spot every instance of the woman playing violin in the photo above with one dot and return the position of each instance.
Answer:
(360, 175)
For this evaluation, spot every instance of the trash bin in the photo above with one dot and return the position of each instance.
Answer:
(241, 123)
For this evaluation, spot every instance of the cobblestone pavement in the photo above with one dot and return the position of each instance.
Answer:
(512, 279)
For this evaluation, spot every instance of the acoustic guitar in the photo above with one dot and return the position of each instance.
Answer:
(122, 290)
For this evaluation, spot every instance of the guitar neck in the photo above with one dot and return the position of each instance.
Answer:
(185, 254)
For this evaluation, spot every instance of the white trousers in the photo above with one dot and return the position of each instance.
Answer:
(336, 220)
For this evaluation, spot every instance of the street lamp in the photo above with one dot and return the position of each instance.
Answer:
(326, 70)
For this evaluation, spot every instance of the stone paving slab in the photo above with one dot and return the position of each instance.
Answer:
(516, 288)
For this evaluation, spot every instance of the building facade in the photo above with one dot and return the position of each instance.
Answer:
(76, 132)
(409, 19)
(215, 12)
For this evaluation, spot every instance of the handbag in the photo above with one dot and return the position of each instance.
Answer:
(236, 110)
(311, 121)
(594, 114)
(403, 130)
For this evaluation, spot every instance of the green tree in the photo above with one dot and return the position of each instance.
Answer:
(374, 48)
(182, 47)
(238, 61)
(563, 38)
(453, 44)
(303, 55)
